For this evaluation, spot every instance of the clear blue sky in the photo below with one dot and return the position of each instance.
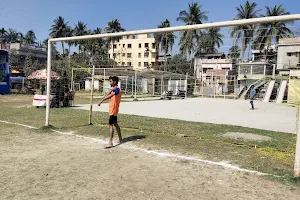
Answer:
(38, 15)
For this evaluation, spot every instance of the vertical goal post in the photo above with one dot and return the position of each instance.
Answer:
(293, 17)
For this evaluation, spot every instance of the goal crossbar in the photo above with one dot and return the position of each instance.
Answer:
(182, 28)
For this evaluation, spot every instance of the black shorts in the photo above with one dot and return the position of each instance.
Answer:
(113, 120)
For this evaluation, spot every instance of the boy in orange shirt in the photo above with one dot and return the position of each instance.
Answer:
(114, 95)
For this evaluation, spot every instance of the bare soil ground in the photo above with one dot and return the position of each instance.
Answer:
(52, 166)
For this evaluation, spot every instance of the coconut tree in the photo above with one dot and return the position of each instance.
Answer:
(58, 29)
(215, 36)
(234, 52)
(3, 35)
(79, 30)
(12, 35)
(205, 45)
(164, 41)
(114, 26)
(210, 41)
(194, 15)
(244, 32)
(69, 33)
(30, 37)
(271, 32)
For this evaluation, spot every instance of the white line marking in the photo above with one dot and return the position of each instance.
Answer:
(157, 153)
(31, 127)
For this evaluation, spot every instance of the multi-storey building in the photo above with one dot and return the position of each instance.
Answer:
(138, 51)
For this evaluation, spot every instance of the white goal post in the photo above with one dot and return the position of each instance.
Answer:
(151, 31)
(169, 29)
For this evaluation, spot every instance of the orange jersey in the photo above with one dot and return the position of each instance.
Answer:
(114, 102)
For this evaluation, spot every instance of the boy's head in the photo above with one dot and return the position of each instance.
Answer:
(252, 87)
(113, 81)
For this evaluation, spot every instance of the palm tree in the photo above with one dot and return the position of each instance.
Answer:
(205, 45)
(215, 37)
(58, 29)
(79, 30)
(69, 33)
(209, 41)
(194, 15)
(244, 32)
(99, 44)
(234, 52)
(114, 26)
(164, 41)
(272, 31)
(12, 35)
(30, 37)
(3, 35)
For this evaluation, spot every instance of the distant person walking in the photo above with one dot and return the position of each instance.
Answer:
(252, 94)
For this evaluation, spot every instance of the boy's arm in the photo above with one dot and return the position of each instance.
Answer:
(111, 94)
(114, 91)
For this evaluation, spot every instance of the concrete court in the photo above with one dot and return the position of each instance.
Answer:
(267, 116)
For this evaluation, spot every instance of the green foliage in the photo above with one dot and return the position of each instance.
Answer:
(244, 32)
(13, 58)
(32, 65)
(179, 64)
(30, 37)
(209, 41)
(165, 40)
(188, 39)
(234, 52)
(272, 31)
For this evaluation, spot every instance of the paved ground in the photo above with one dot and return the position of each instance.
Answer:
(268, 116)
(52, 166)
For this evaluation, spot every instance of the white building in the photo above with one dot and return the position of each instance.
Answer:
(138, 51)
(288, 54)
(210, 62)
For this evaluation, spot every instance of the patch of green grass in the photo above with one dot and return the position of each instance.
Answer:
(200, 139)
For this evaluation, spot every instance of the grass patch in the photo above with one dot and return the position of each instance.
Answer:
(204, 140)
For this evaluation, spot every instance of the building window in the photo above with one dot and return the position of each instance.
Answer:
(146, 54)
(153, 45)
(129, 46)
(114, 55)
(153, 55)
(146, 45)
(129, 64)
(289, 54)
(129, 55)
(140, 64)
(123, 45)
(146, 64)
(115, 46)
(123, 63)
(140, 55)
(140, 45)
